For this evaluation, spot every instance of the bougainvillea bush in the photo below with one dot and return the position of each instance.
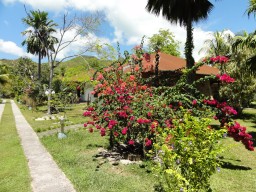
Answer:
(129, 111)
(169, 123)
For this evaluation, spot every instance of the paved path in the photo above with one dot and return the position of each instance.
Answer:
(46, 175)
(2, 109)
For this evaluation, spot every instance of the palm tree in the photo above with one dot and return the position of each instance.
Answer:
(219, 44)
(246, 43)
(184, 12)
(252, 7)
(39, 38)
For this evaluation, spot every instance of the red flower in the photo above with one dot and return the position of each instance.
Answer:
(100, 77)
(85, 124)
(116, 134)
(124, 130)
(148, 142)
(90, 130)
(131, 142)
(102, 132)
(194, 102)
(132, 78)
(87, 113)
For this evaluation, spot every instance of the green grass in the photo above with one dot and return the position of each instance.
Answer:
(75, 157)
(74, 116)
(75, 154)
(14, 173)
(238, 174)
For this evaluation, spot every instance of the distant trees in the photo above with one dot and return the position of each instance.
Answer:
(219, 44)
(165, 42)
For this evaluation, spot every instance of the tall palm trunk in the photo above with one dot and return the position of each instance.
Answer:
(39, 65)
(189, 46)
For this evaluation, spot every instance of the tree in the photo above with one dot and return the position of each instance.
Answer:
(184, 12)
(82, 27)
(252, 8)
(39, 35)
(219, 44)
(240, 93)
(164, 41)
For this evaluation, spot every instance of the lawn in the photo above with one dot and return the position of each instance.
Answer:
(74, 115)
(14, 174)
(75, 156)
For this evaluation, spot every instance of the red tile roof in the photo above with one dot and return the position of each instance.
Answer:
(172, 63)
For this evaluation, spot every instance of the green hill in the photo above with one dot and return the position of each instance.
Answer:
(80, 69)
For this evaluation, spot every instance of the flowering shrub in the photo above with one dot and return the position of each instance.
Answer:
(224, 115)
(225, 78)
(187, 154)
(129, 111)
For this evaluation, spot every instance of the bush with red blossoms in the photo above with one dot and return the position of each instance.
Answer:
(235, 130)
(225, 78)
(238, 132)
(129, 111)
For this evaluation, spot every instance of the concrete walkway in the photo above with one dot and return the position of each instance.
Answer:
(2, 109)
(46, 175)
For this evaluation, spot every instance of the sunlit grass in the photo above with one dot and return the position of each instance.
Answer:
(74, 115)
(14, 173)
(75, 157)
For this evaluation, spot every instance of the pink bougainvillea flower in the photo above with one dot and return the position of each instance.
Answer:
(132, 78)
(90, 109)
(102, 132)
(116, 134)
(131, 142)
(87, 113)
(100, 77)
(225, 78)
(124, 130)
(194, 102)
(148, 142)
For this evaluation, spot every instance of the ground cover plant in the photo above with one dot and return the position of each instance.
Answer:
(14, 175)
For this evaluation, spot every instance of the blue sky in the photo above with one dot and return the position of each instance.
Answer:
(125, 22)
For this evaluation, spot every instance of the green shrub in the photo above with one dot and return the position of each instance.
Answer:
(187, 154)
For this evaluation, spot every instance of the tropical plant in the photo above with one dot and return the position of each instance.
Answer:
(39, 35)
(219, 44)
(184, 12)
(252, 7)
(165, 42)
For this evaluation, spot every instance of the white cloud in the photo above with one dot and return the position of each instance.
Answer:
(10, 47)
(129, 19)
(79, 45)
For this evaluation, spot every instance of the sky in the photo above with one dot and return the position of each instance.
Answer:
(125, 21)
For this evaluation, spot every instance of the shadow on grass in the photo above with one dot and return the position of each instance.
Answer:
(90, 146)
(228, 165)
(253, 134)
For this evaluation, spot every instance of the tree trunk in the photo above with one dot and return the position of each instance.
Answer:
(50, 87)
(157, 57)
(189, 46)
(39, 65)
